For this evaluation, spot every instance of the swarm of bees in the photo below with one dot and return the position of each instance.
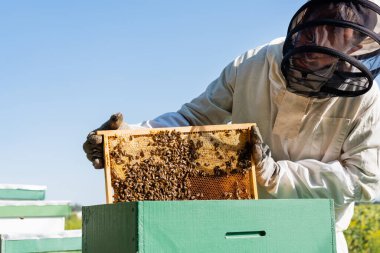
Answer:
(177, 166)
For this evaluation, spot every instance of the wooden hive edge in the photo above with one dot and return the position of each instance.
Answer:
(187, 129)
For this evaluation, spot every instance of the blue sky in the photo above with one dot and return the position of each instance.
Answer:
(66, 66)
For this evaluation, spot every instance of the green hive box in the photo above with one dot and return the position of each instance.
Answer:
(262, 226)
(22, 192)
(33, 216)
(66, 241)
(24, 209)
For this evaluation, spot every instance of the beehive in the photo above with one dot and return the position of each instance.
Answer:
(212, 226)
(182, 163)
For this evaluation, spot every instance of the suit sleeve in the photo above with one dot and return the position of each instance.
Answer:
(354, 177)
(214, 106)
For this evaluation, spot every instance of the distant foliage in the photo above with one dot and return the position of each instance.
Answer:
(73, 222)
(363, 235)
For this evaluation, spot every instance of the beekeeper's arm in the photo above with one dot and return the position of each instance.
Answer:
(354, 177)
(212, 107)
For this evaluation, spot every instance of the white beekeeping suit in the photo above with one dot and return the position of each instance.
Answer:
(324, 145)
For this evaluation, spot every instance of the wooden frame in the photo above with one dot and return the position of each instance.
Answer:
(190, 129)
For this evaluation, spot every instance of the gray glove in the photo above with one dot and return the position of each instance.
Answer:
(93, 147)
(267, 169)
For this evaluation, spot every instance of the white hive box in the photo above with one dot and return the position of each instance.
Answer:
(33, 216)
(66, 241)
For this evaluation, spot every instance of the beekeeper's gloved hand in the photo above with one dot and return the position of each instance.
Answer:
(93, 147)
(267, 169)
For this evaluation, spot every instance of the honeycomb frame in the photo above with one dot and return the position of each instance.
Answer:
(217, 160)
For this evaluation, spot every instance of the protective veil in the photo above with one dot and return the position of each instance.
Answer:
(332, 48)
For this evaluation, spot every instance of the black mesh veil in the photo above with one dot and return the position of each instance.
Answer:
(332, 48)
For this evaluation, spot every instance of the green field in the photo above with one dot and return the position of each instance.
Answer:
(363, 235)
(73, 222)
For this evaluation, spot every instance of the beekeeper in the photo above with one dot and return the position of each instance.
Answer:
(315, 101)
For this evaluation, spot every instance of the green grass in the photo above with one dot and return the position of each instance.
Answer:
(363, 235)
(73, 222)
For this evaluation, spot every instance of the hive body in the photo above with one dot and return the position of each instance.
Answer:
(212, 226)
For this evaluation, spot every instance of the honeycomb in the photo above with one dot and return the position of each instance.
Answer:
(183, 163)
